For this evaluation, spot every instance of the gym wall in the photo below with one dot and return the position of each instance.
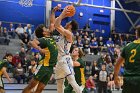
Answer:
(100, 21)
(11, 11)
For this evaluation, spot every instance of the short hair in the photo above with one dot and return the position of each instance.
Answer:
(74, 25)
(39, 31)
(7, 55)
(138, 30)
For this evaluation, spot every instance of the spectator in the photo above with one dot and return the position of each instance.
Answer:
(110, 68)
(86, 46)
(22, 55)
(103, 77)
(90, 85)
(16, 59)
(100, 44)
(37, 58)
(11, 31)
(94, 46)
(32, 69)
(24, 40)
(6, 36)
(95, 70)
(19, 73)
(111, 83)
(28, 30)
(79, 42)
(20, 31)
(110, 47)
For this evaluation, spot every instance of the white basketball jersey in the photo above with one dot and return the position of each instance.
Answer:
(63, 46)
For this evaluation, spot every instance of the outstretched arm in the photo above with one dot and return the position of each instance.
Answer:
(6, 74)
(120, 61)
(61, 29)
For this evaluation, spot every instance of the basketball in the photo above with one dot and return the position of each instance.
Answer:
(70, 10)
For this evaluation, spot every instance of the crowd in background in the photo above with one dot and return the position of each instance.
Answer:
(102, 73)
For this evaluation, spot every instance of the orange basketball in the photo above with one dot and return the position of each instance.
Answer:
(70, 10)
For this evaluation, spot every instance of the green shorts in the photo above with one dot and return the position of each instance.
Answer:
(43, 74)
(131, 85)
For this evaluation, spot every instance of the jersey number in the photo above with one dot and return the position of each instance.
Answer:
(133, 53)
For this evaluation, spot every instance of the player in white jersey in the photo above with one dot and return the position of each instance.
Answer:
(64, 67)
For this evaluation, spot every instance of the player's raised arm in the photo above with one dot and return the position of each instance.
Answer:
(52, 17)
(67, 12)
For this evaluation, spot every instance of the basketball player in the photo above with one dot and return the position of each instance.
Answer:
(3, 65)
(47, 46)
(131, 57)
(79, 65)
(64, 67)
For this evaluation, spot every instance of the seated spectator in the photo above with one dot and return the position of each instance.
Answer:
(16, 59)
(19, 31)
(22, 55)
(110, 47)
(100, 44)
(94, 46)
(86, 46)
(31, 69)
(79, 42)
(19, 74)
(5, 34)
(11, 30)
(90, 85)
(111, 83)
(28, 30)
(110, 68)
(24, 40)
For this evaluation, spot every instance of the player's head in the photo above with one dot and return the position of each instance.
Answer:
(9, 57)
(73, 25)
(77, 52)
(138, 31)
(42, 31)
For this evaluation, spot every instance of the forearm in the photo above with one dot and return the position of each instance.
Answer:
(34, 45)
(58, 21)
(117, 67)
(6, 74)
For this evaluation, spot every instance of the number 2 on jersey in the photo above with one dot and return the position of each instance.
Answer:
(133, 53)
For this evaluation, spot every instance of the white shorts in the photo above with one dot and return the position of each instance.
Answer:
(64, 67)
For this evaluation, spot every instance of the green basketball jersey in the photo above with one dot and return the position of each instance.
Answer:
(79, 72)
(131, 54)
(50, 57)
(3, 63)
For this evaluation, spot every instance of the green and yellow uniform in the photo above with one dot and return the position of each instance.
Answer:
(48, 61)
(3, 63)
(131, 54)
(79, 76)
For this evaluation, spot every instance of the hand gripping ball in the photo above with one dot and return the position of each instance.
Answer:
(70, 10)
